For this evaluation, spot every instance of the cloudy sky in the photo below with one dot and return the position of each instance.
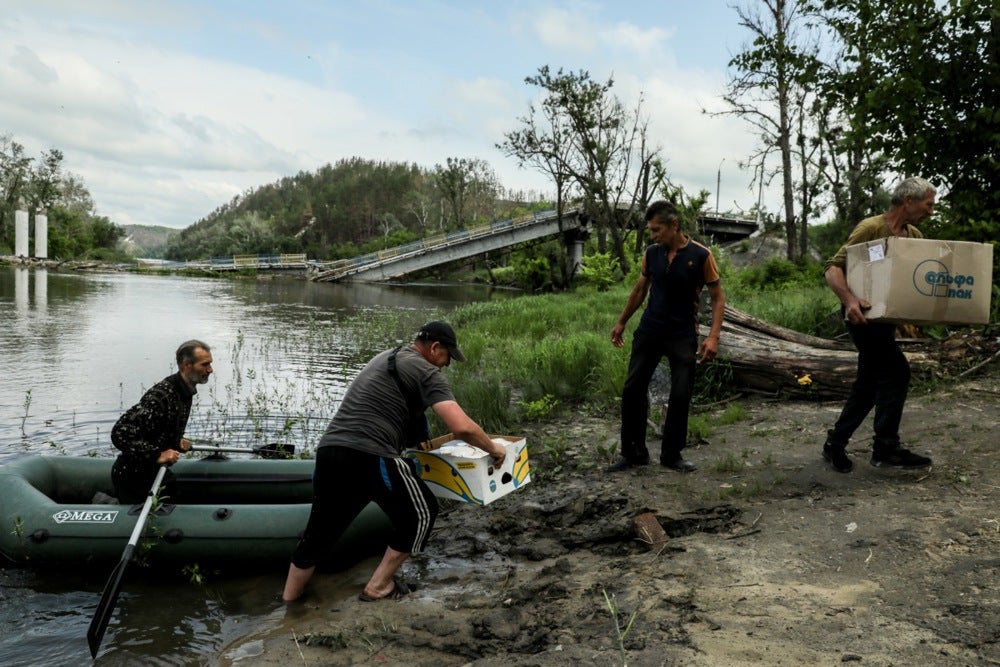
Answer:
(169, 109)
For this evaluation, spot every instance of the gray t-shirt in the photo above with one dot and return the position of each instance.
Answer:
(373, 415)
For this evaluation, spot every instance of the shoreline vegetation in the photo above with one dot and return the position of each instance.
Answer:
(541, 356)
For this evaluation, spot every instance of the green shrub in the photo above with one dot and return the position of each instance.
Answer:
(599, 270)
(531, 273)
(540, 409)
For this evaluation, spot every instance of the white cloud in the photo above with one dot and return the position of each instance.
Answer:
(167, 113)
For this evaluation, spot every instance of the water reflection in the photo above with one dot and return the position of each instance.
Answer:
(79, 349)
(82, 348)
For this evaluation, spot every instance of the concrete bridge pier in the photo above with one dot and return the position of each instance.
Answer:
(41, 234)
(574, 240)
(21, 233)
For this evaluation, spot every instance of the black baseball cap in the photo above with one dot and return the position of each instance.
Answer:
(442, 332)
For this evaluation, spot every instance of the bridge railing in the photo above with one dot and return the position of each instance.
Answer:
(344, 267)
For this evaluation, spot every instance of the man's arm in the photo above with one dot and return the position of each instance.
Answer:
(464, 428)
(138, 432)
(635, 299)
(710, 345)
(853, 306)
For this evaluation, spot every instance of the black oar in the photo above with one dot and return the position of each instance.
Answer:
(271, 451)
(95, 634)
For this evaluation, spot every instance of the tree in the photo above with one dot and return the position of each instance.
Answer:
(105, 234)
(930, 70)
(468, 188)
(44, 184)
(15, 171)
(596, 143)
(74, 196)
(544, 143)
(770, 91)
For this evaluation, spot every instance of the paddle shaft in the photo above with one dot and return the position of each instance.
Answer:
(267, 451)
(99, 624)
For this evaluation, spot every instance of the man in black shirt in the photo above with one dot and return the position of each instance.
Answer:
(675, 269)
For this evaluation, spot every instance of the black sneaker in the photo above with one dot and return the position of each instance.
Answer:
(899, 458)
(837, 458)
(624, 464)
(680, 464)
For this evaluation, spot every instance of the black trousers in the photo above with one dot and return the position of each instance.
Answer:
(882, 383)
(345, 481)
(647, 352)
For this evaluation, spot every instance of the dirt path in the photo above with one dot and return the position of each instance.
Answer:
(773, 558)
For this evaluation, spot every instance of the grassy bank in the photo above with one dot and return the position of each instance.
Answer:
(531, 355)
(531, 358)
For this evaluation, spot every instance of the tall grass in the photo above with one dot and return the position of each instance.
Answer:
(556, 345)
(553, 349)
(806, 309)
(793, 295)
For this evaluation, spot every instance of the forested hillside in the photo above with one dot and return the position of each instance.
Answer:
(350, 207)
(146, 240)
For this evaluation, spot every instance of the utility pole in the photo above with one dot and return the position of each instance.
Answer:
(718, 184)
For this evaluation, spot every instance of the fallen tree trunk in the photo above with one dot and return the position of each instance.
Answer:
(766, 358)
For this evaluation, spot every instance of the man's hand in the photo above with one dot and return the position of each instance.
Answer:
(168, 457)
(854, 312)
(616, 335)
(709, 349)
(185, 445)
(499, 453)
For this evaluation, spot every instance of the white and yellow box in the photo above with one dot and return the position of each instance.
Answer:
(455, 469)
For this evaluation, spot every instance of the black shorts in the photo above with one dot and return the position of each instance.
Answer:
(345, 481)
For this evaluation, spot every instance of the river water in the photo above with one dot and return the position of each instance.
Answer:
(78, 349)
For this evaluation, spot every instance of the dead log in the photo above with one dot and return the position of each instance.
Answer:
(766, 358)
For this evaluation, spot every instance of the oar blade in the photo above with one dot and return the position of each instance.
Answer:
(275, 450)
(95, 633)
(106, 607)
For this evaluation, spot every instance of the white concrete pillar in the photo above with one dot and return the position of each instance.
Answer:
(21, 233)
(22, 281)
(576, 251)
(41, 289)
(41, 236)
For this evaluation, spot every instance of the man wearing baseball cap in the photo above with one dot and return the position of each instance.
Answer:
(358, 459)
(441, 332)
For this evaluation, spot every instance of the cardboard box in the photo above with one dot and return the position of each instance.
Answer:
(923, 281)
(457, 470)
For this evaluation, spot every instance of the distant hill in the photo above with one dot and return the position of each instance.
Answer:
(147, 240)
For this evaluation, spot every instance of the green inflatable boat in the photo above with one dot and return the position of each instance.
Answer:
(236, 513)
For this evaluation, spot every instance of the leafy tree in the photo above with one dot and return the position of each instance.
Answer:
(931, 71)
(594, 140)
(545, 143)
(104, 233)
(44, 185)
(15, 172)
(74, 229)
(852, 167)
(468, 188)
(770, 91)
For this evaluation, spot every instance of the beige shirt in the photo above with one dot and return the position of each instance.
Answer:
(868, 229)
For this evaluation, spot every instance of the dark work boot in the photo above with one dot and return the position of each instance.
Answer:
(672, 459)
(898, 457)
(625, 464)
(835, 454)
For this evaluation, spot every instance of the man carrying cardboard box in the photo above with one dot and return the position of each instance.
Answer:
(883, 377)
(358, 459)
